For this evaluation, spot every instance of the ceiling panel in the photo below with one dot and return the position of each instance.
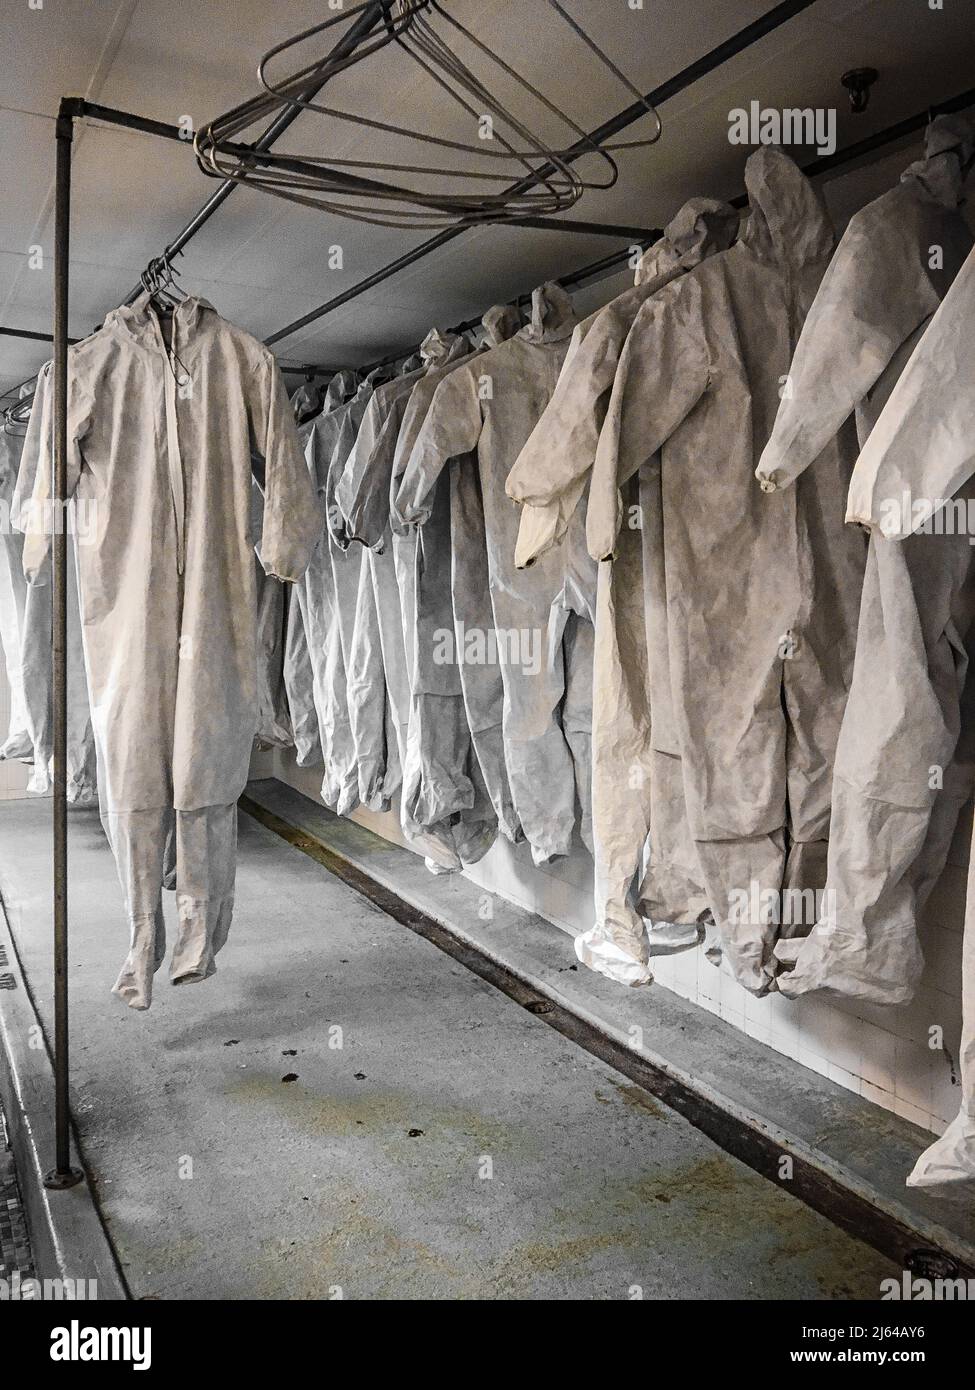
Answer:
(57, 50)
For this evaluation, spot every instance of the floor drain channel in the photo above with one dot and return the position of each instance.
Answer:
(15, 1252)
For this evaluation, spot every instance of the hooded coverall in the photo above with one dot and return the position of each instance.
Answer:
(487, 409)
(892, 820)
(168, 601)
(634, 786)
(363, 496)
(761, 601)
(308, 403)
(353, 700)
(923, 444)
(457, 760)
(318, 603)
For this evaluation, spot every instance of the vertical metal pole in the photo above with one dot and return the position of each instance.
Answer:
(63, 1174)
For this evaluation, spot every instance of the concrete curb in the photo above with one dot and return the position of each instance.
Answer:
(68, 1239)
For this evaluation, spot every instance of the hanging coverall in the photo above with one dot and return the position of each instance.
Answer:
(274, 729)
(307, 403)
(168, 609)
(923, 444)
(550, 477)
(363, 496)
(376, 662)
(358, 692)
(761, 601)
(891, 821)
(36, 634)
(299, 687)
(456, 756)
(487, 409)
(318, 603)
(17, 742)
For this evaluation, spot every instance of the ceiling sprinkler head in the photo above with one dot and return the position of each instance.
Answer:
(858, 82)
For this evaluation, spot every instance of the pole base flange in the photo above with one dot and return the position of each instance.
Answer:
(57, 1180)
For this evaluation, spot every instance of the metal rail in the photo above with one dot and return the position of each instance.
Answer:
(822, 164)
(731, 47)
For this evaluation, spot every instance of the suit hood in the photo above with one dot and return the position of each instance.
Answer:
(501, 322)
(552, 315)
(788, 223)
(701, 227)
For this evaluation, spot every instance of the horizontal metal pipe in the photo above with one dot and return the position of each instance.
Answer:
(820, 165)
(302, 368)
(29, 333)
(567, 224)
(738, 42)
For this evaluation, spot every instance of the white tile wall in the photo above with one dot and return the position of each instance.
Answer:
(881, 1054)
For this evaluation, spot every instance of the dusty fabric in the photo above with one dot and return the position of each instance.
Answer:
(297, 675)
(762, 592)
(299, 686)
(203, 844)
(166, 580)
(671, 890)
(892, 825)
(551, 477)
(274, 728)
(922, 450)
(876, 299)
(318, 602)
(456, 828)
(370, 708)
(453, 767)
(912, 707)
(17, 742)
(637, 789)
(911, 710)
(550, 473)
(486, 409)
(357, 703)
(481, 681)
(36, 635)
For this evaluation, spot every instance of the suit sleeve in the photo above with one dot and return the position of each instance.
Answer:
(33, 503)
(292, 514)
(863, 311)
(452, 427)
(663, 373)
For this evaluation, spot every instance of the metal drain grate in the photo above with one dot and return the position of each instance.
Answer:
(15, 1252)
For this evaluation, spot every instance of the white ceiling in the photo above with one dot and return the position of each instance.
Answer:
(263, 261)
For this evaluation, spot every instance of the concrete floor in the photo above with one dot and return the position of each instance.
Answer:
(437, 1141)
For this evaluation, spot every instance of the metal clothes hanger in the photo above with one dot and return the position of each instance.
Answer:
(421, 31)
(160, 282)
